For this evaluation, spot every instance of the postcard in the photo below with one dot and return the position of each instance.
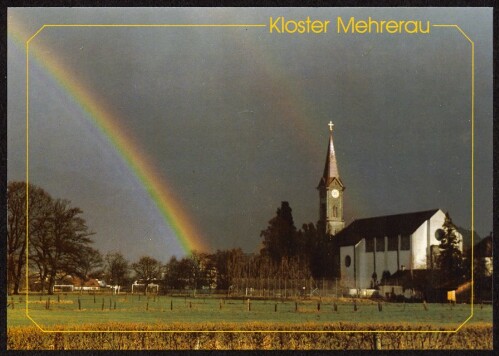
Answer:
(249, 178)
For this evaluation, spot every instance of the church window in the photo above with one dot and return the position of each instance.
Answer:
(393, 243)
(380, 244)
(348, 261)
(405, 242)
(369, 245)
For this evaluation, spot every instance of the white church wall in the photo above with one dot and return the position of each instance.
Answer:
(380, 262)
(423, 238)
(359, 267)
(347, 273)
(390, 262)
(418, 247)
(385, 260)
(368, 258)
(405, 259)
(365, 268)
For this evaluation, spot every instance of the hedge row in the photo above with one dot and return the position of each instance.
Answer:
(30, 338)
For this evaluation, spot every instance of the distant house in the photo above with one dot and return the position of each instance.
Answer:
(373, 248)
(79, 284)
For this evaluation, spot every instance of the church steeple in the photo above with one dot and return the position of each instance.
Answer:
(331, 167)
(331, 192)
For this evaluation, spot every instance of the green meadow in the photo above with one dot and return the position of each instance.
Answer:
(71, 310)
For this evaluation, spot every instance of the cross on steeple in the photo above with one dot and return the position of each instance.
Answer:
(331, 125)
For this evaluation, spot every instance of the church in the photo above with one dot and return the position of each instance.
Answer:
(370, 249)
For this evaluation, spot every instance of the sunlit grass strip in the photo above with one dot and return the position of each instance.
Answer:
(471, 337)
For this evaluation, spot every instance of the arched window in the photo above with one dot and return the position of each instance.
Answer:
(335, 211)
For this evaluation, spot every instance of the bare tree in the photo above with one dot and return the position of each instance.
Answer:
(147, 269)
(89, 260)
(56, 252)
(117, 268)
(229, 265)
(39, 205)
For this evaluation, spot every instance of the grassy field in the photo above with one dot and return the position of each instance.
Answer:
(72, 310)
(107, 322)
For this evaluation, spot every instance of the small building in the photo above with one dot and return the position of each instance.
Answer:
(76, 284)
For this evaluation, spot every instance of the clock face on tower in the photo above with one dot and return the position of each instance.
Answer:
(335, 193)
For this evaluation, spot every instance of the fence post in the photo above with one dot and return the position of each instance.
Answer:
(79, 303)
(12, 301)
(102, 303)
(380, 307)
(114, 305)
(171, 304)
(424, 305)
(249, 305)
(335, 307)
(296, 306)
(355, 305)
(275, 308)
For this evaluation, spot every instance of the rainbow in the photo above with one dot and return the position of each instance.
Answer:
(103, 118)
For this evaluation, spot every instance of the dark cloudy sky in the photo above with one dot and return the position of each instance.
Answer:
(235, 119)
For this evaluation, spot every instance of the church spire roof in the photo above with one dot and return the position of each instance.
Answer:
(331, 167)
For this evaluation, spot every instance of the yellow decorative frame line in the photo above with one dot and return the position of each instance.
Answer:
(244, 331)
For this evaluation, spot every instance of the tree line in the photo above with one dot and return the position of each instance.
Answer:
(60, 244)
